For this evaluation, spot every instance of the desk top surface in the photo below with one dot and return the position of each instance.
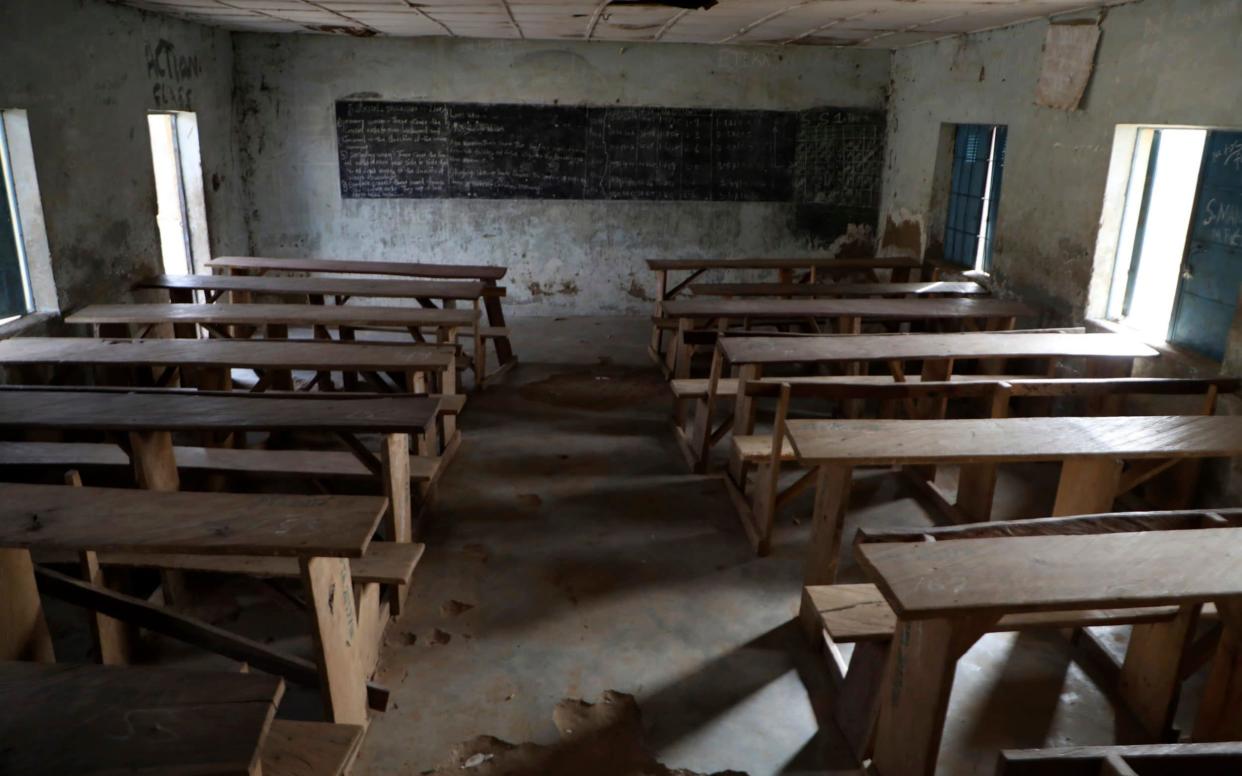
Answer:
(288, 285)
(242, 354)
(281, 314)
(1000, 440)
(89, 719)
(828, 290)
(806, 262)
(1049, 573)
(364, 267)
(113, 410)
(870, 308)
(882, 347)
(61, 517)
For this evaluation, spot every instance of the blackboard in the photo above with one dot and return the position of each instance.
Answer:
(424, 150)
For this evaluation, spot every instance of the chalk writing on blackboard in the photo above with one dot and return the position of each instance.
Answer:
(421, 150)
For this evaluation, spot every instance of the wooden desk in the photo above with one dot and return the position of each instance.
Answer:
(1091, 452)
(84, 719)
(946, 594)
(488, 275)
(322, 532)
(146, 420)
(935, 288)
(266, 357)
(848, 315)
(1106, 355)
(899, 271)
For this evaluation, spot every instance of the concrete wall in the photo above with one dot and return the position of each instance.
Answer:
(564, 256)
(1159, 62)
(87, 73)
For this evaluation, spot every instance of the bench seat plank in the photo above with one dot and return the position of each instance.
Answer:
(389, 563)
(758, 447)
(115, 519)
(852, 613)
(999, 440)
(83, 720)
(1047, 573)
(223, 314)
(776, 262)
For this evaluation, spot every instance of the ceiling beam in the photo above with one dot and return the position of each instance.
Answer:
(512, 19)
(763, 20)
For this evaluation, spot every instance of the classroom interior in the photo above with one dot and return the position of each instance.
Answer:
(620, 387)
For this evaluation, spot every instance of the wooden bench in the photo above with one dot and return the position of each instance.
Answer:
(937, 355)
(488, 275)
(846, 315)
(144, 421)
(950, 589)
(319, 533)
(899, 270)
(1215, 759)
(1091, 452)
(757, 504)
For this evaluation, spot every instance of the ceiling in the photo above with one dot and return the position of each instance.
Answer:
(868, 23)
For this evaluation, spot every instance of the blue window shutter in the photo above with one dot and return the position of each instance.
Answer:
(12, 289)
(969, 179)
(1207, 295)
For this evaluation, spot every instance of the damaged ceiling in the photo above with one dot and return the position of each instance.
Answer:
(868, 23)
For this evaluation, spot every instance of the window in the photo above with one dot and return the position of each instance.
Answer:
(974, 194)
(16, 297)
(181, 213)
(1178, 262)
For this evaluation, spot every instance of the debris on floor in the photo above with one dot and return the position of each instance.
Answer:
(601, 739)
(600, 389)
(453, 607)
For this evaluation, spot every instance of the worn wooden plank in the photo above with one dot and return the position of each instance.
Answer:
(94, 410)
(309, 748)
(24, 634)
(966, 345)
(334, 628)
(1047, 573)
(829, 290)
(869, 309)
(120, 520)
(389, 563)
(220, 353)
(971, 440)
(83, 720)
(808, 262)
(362, 267)
(222, 314)
(329, 286)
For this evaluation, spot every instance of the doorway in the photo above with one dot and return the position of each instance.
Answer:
(180, 208)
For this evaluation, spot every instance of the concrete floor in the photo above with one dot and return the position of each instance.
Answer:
(570, 554)
(592, 561)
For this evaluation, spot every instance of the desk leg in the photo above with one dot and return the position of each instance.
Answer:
(743, 419)
(1151, 674)
(1088, 486)
(334, 626)
(155, 468)
(282, 379)
(112, 637)
(448, 387)
(1220, 711)
(832, 498)
(677, 359)
(915, 696)
(657, 314)
(23, 630)
(496, 319)
(976, 489)
(398, 522)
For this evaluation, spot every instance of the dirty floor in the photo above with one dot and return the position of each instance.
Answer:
(571, 555)
(572, 560)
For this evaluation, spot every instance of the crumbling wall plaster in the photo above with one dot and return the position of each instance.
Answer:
(1159, 62)
(88, 72)
(565, 257)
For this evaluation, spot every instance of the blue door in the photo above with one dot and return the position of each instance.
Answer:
(1207, 295)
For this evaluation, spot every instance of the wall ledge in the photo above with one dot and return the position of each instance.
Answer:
(1172, 360)
(24, 323)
